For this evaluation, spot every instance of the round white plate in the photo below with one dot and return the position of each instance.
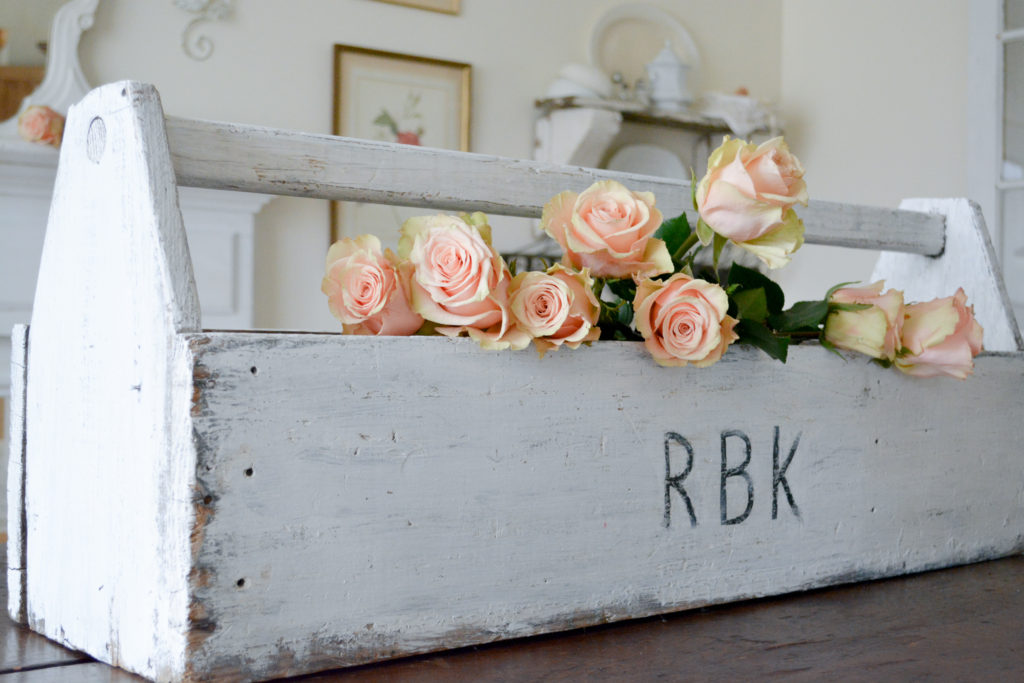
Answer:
(648, 160)
(622, 37)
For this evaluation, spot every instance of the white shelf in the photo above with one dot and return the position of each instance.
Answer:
(582, 131)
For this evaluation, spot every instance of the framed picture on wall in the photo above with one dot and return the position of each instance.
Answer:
(446, 6)
(399, 98)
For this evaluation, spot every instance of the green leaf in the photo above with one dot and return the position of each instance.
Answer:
(384, 119)
(704, 232)
(719, 244)
(751, 304)
(625, 289)
(757, 334)
(624, 316)
(800, 316)
(747, 278)
(831, 347)
(674, 232)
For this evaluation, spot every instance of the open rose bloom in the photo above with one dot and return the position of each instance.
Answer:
(555, 308)
(747, 196)
(609, 230)
(873, 331)
(683, 320)
(41, 124)
(940, 337)
(367, 290)
(459, 280)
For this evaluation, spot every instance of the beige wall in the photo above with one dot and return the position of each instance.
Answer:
(272, 66)
(27, 23)
(874, 93)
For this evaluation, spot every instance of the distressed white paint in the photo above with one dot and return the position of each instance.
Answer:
(968, 261)
(107, 467)
(220, 228)
(253, 505)
(16, 478)
(255, 159)
(421, 493)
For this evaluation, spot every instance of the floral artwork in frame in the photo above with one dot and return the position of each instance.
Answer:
(391, 97)
(445, 6)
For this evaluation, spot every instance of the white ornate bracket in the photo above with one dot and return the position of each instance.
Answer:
(64, 83)
(198, 46)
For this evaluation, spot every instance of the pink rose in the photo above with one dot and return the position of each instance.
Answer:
(460, 281)
(872, 331)
(608, 229)
(41, 124)
(557, 307)
(367, 290)
(747, 196)
(940, 337)
(683, 320)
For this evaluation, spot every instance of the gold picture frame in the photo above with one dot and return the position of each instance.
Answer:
(395, 97)
(444, 6)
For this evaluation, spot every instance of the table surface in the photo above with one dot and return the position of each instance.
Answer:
(965, 623)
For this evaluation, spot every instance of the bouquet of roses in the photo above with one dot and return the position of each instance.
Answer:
(627, 274)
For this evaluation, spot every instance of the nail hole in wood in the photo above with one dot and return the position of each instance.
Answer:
(240, 583)
(254, 370)
(207, 500)
(248, 471)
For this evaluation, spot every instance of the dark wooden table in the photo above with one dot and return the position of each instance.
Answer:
(962, 624)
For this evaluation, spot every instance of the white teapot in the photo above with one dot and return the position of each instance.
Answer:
(668, 75)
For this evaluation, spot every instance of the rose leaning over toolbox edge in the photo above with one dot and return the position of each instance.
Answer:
(608, 229)
(367, 290)
(940, 337)
(747, 196)
(627, 275)
(872, 331)
(556, 307)
(41, 124)
(683, 320)
(459, 281)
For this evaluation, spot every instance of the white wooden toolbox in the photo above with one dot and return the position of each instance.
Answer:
(199, 505)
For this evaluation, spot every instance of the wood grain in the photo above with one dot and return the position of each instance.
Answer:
(21, 649)
(255, 159)
(958, 624)
(476, 497)
(16, 522)
(107, 496)
(16, 83)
